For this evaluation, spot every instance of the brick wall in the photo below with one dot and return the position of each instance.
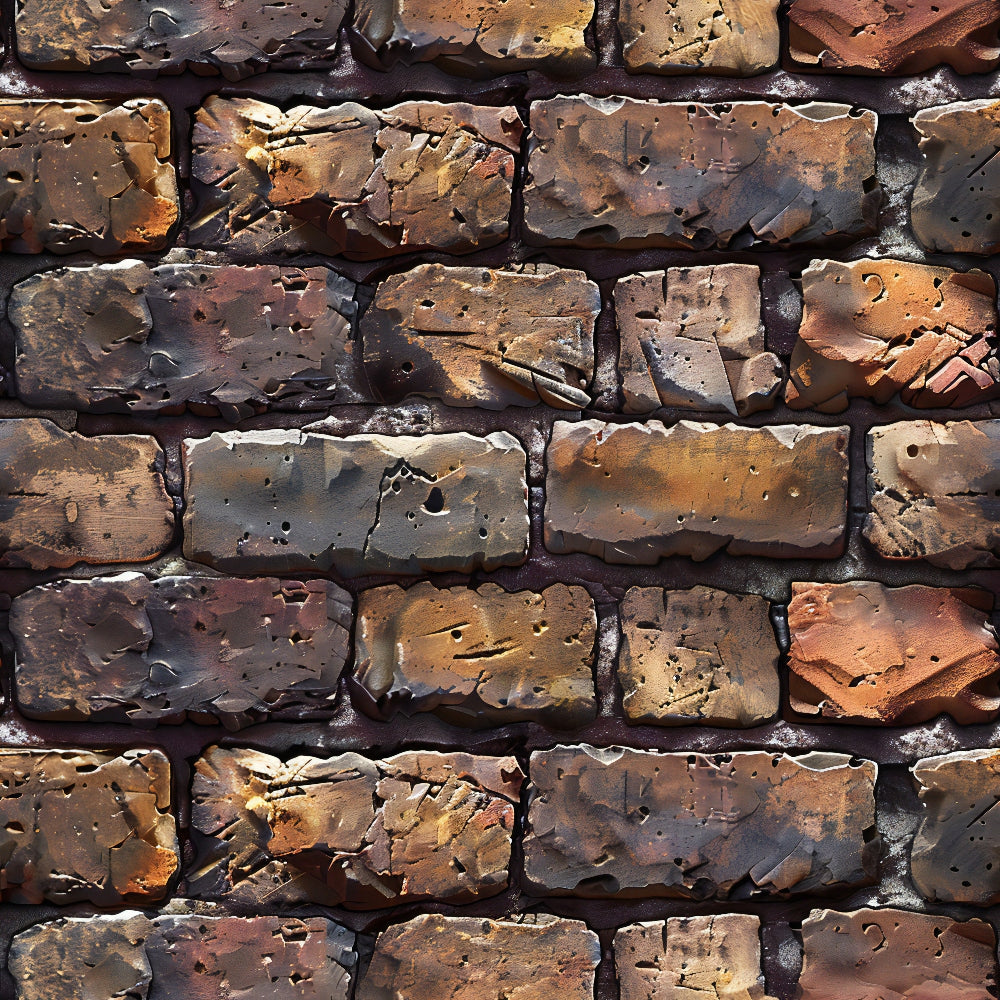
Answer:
(499, 500)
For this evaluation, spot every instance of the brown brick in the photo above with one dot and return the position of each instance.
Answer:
(875, 954)
(190, 955)
(353, 181)
(65, 498)
(83, 175)
(470, 958)
(131, 338)
(131, 649)
(473, 336)
(691, 338)
(639, 823)
(956, 857)
(353, 831)
(874, 328)
(864, 652)
(477, 37)
(727, 37)
(285, 501)
(477, 657)
(705, 958)
(894, 36)
(84, 826)
(640, 173)
(698, 655)
(954, 207)
(234, 38)
(932, 492)
(636, 492)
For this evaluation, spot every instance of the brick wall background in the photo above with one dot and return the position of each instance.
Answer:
(513, 818)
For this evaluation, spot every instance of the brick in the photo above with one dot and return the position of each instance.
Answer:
(639, 823)
(932, 492)
(476, 37)
(699, 655)
(874, 328)
(286, 501)
(66, 498)
(111, 189)
(955, 856)
(725, 37)
(953, 207)
(691, 338)
(636, 492)
(474, 336)
(130, 338)
(616, 171)
(863, 652)
(893, 36)
(131, 649)
(707, 958)
(189, 955)
(468, 958)
(477, 657)
(872, 954)
(351, 831)
(350, 180)
(89, 827)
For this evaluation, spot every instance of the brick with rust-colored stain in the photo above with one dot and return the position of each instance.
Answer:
(531, 955)
(639, 823)
(351, 180)
(187, 955)
(934, 492)
(80, 826)
(133, 649)
(477, 657)
(871, 954)
(84, 175)
(692, 338)
(699, 655)
(351, 831)
(66, 498)
(616, 171)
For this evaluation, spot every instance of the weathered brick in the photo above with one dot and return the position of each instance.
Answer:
(876, 954)
(350, 180)
(954, 203)
(476, 37)
(728, 37)
(286, 501)
(864, 652)
(893, 36)
(84, 175)
(691, 338)
(84, 826)
(934, 492)
(693, 176)
(132, 649)
(65, 498)
(636, 492)
(469, 958)
(698, 655)
(639, 823)
(186, 955)
(874, 328)
(477, 657)
(956, 851)
(474, 336)
(704, 958)
(131, 338)
(352, 831)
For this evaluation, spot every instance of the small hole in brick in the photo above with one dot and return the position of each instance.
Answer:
(435, 501)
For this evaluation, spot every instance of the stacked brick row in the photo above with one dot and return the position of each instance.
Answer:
(468, 533)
